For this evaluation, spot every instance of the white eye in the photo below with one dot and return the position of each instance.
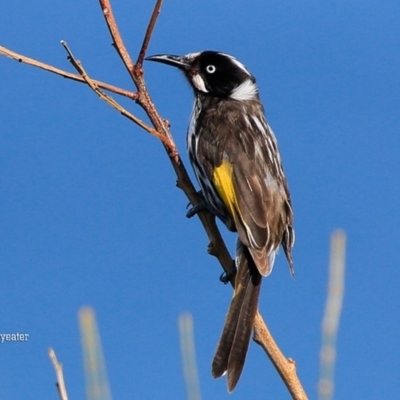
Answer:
(210, 69)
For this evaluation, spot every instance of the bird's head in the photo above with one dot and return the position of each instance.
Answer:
(214, 73)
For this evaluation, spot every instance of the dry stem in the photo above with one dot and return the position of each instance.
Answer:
(62, 391)
(285, 367)
(35, 63)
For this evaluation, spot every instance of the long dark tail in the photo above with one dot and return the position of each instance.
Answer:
(235, 338)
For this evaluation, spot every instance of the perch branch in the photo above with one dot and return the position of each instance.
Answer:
(285, 367)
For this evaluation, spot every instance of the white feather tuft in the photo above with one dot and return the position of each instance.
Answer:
(246, 91)
(198, 83)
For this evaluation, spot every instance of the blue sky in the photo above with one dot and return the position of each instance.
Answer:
(90, 214)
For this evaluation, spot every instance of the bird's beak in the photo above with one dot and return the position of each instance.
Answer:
(175, 61)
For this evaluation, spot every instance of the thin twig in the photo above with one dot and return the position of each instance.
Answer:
(149, 33)
(35, 63)
(115, 35)
(62, 390)
(108, 99)
(136, 74)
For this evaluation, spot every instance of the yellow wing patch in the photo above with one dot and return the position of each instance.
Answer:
(222, 180)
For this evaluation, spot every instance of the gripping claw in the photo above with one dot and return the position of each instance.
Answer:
(227, 277)
(197, 208)
(201, 206)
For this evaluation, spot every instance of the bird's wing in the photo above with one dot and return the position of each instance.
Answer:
(250, 181)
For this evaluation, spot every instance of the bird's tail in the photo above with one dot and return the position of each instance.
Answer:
(235, 338)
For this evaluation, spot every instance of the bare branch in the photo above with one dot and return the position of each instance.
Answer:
(35, 63)
(285, 367)
(79, 67)
(149, 32)
(62, 391)
(136, 74)
(117, 39)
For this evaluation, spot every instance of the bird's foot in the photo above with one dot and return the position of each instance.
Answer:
(227, 277)
(201, 206)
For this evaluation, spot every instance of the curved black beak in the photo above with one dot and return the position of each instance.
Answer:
(175, 61)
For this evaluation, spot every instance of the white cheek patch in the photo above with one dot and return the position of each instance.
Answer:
(246, 91)
(198, 83)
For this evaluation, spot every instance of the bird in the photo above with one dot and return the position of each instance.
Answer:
(237, 163)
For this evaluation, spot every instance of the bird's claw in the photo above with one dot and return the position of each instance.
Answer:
(201, 206)
(196, 209)
(226, 277)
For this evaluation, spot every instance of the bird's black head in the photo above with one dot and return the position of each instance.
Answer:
(214, 73)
